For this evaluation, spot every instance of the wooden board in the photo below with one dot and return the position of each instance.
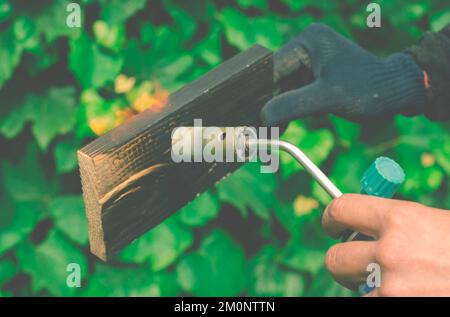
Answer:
(130, 183)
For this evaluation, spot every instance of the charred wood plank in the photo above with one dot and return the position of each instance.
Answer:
(130, 183)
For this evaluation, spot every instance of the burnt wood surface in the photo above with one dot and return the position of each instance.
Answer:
(130, 183)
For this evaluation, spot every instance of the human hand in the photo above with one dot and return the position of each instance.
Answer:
(411, 245)
(349, 82)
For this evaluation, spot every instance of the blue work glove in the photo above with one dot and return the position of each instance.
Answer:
(350, 82)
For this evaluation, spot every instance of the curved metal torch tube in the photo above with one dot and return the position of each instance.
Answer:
(220, 139)
(304, 160)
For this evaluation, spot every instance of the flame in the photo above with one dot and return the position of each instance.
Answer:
(122, 115)
(155, 101)
(100, 125)
(148, 95)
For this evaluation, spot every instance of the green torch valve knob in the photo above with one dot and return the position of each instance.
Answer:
(382, 178)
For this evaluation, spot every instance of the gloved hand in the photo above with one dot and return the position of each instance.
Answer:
(350, 82)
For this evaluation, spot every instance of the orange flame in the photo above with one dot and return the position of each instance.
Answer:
(148, 96)
(155, 101)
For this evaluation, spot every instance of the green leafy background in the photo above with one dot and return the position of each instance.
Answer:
(252, 234)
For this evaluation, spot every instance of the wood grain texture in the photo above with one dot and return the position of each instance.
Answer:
(130, 183)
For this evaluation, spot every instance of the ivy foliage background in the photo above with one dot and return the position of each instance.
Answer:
(253, 234)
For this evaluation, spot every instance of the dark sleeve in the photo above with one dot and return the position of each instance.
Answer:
(433, 55)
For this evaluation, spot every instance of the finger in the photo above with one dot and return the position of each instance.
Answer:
(318, 41)
(362, 213)
(347, 262)
(323, 43)
(306, 101)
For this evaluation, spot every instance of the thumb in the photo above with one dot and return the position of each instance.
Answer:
(309, 100)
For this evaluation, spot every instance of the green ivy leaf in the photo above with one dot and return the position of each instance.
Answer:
(7, 270)
(168, 58)
(26, 181)
(348, 132)
(51, 21)
(209, 49)
(8, 211)
(167, 40)
(419, 126)
(201, 210)
(117, 11)
(69, 217)
(47, 263)
(111, 37)
(5, 10)
(147, 33)
(296, 5)
(439, 20)
(349, 168)
(42, 58)
(260, 4)
(267, 33)
(292, 218)
(53, 115)
(358, 20)
(418, 137)
(160, 246)
(419, 179)
(249, 188)
(10, 55)
(25, 33)
(26, 216)
(12, 123)
(237, 30)
(186, 24)
(316, 144)
(135, 58)
(267, 278)
(122, 281)
(442, 154)
(92, 67)
(319, 193)
(325, 286)
(65, 154)
(216, 269)
(242, 34)
(300, 257)
(170, 68)
(27, 192)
